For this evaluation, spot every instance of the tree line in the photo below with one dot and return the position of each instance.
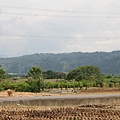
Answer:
(83, 76)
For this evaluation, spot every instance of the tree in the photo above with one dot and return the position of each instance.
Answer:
(49, 74)
(2, 73)
(60, 75)
(36, 74)
(84, 73)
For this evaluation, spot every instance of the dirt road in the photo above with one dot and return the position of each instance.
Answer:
(59, 97)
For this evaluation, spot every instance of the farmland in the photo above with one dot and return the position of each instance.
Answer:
(91, 98)
(86, 112)
(69, 112)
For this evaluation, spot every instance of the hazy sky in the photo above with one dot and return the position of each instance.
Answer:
(58, 26)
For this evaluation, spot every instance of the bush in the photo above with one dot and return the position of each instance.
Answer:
(1, 88)
(34, 85)
(8, 85)
(22, 87)
(110, 84)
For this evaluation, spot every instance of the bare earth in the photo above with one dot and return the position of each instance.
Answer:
(56, 93)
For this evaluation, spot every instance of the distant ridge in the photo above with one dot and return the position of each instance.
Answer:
(108, 62)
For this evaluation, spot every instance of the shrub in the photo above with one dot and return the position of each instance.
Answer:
(1, 88)
(22, 87)
(8, 85)
(34, 85)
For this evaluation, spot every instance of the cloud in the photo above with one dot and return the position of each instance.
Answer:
(46, 31)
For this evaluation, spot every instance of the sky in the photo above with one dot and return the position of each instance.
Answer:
(58, 26)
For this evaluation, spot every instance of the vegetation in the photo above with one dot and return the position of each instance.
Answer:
(36, 81)
(84, 73)
(35, 73)
(2, 73)
(49, 74)
(83, 76)
(108, 62)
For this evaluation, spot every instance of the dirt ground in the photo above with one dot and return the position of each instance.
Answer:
(57, 92)
(86, 112)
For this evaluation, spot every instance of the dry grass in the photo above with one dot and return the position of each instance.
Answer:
(22, 94)
(54, 93)
(88, 112)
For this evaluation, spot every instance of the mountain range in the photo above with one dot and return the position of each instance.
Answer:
(108, 62)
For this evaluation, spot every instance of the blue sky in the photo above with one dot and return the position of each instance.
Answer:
(58, 26)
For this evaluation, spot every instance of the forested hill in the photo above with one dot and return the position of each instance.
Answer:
(108, 62)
